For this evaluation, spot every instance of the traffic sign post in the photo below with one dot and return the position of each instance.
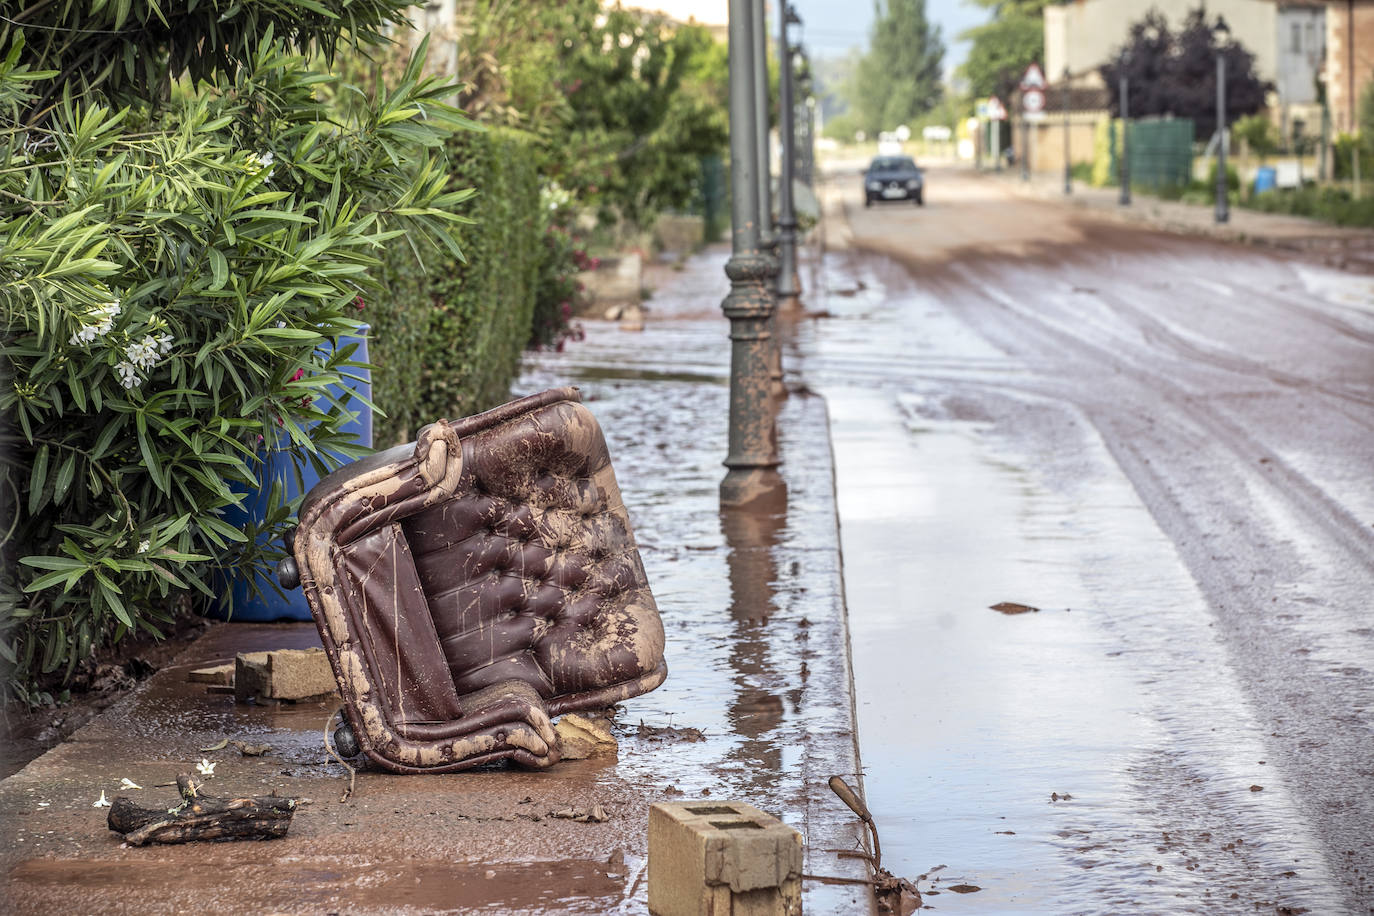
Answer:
(997, 113)
(1032, 87)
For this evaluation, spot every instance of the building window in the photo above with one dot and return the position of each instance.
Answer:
(1297, 39)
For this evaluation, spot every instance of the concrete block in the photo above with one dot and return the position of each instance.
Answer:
(283, 674)
(715, 858)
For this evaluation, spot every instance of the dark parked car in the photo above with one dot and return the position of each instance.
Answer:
(893, 178)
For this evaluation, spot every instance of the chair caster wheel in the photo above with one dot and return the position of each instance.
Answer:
(345, 742)
(288, 573)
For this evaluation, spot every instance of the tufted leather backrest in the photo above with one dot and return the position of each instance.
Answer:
(530, 568)
(485, 575)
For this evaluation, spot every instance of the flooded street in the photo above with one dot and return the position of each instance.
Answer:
(1163, 444)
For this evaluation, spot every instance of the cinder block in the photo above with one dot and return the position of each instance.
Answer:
(283, 674)
(714, 858)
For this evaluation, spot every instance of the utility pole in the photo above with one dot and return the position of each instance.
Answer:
(1223, 210)
(752, 458)
(1124, 166)
(789, 284)
(1025, 148)
(1068, 164)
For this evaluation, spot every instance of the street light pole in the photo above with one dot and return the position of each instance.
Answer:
(1222, 33)
(768, 239)
(1123, 87)
(1068, 165)
(759, 61)
(789, 284)
(753, 444)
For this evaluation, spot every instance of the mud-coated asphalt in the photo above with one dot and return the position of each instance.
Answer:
(1165, 445)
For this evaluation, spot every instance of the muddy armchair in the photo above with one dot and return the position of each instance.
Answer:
(476, 583)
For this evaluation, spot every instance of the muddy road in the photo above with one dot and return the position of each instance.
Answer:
(1165, 445)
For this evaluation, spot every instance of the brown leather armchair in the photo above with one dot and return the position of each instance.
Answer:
(476, 583)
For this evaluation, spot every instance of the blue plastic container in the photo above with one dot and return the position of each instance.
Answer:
(268, 605)
(1266, 179)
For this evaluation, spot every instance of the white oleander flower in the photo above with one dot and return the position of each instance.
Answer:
(126, 783)
(99, 322)
(264, 161)
(143, 545)
(102, 801)
(205, 767)
(128, 374)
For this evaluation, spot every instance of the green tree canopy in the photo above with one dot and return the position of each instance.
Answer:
(1002, 49)
(898, 80)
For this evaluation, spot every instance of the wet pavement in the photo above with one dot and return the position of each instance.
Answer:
(758, 689)
(1161, 444)
(1164, 445)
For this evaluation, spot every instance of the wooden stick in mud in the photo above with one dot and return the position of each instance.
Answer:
(202, 817)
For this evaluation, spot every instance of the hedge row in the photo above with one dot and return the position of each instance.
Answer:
(1333, 205)
(448, 337)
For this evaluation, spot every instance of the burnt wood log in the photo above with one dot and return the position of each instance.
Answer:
(202, 817)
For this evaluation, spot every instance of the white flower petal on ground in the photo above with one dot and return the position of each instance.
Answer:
(126, 783)
(102, 801)
(205, 767)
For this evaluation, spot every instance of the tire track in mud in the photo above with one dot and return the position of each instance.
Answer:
(1326, 765)
(1350, 532)
(1163, 334)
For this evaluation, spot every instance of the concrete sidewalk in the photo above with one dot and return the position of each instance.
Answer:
(1340, 246)
(758, 663)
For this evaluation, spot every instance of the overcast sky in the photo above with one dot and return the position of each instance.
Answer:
(832, 27)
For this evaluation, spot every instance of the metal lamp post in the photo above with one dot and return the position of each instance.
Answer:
(1222, 33)
(758, 41)
(1068, 164)
(768, 239)
(789, 284)
(752, 458)
(1124, 169)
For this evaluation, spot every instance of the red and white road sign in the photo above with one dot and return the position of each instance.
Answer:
(1034, 78)
(996, 110)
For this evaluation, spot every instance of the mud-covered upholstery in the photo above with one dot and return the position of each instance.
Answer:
(474, 584)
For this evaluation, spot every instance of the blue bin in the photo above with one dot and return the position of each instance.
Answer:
(1265, 179)
(268, 605)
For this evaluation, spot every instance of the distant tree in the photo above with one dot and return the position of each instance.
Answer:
(1002, 49)
(898, 80)
(1174, 73)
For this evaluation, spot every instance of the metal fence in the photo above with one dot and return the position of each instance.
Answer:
(1161, 151)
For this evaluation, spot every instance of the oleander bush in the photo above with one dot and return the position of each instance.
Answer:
(173, 271)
